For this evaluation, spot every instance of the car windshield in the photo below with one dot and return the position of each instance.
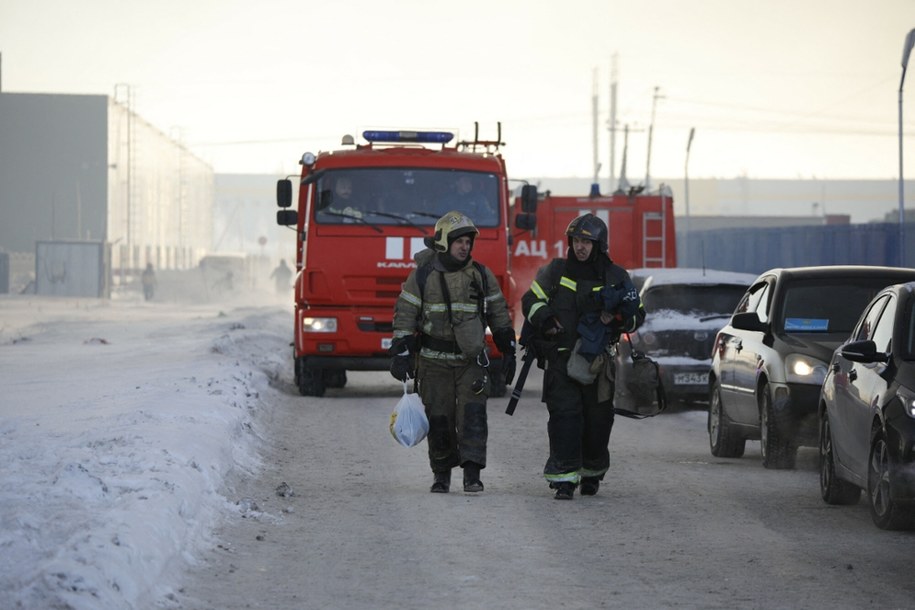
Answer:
(692, 299)
(397, 196)
(827, 305)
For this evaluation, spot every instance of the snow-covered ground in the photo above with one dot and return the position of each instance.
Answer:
(120, 421)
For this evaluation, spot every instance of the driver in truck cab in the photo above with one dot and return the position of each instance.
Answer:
(342, 204)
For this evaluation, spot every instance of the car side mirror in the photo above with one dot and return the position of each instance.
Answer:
(748, 320)
(863, 351)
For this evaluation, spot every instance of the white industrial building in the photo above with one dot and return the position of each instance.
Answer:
(84, 170)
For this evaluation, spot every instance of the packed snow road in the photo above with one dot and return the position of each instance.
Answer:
(356, 527)
(144, 445)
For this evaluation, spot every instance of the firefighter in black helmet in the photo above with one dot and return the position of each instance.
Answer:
(440, 323)
(569, 298)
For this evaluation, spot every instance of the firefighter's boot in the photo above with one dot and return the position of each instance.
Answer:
(472, 482)
(589, 486)
(564, 490)
(441, 482)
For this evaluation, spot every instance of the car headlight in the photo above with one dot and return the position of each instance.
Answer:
(908, 401)
(804, 369)
(319, 325)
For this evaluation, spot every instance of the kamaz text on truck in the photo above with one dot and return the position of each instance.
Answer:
(363, 212)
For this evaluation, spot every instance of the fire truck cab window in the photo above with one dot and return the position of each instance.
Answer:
(400, 196)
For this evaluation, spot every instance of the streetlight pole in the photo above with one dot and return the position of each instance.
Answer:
(689, 143)
(906, 51)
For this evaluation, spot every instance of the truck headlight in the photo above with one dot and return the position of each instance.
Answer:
(319, 325)
(804, 369)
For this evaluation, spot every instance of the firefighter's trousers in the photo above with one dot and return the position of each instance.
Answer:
(457, 415)
(579, 426)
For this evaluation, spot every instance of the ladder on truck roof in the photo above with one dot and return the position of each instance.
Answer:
(654, 231)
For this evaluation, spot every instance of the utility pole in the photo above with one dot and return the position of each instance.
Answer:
(689, 144)
(654, 104)
(611, 125)
(594, 110)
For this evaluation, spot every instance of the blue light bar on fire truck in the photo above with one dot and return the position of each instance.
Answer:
(426, 137)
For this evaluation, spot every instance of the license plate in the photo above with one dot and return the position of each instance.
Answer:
(386, 343)
(691, 378)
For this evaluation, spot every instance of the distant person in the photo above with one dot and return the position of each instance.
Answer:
(467, 198)
(148, 279)
(282, 274)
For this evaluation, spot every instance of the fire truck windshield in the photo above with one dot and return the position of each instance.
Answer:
(398, 196)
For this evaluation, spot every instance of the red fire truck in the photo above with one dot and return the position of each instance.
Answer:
(641, 231)
(363, 213)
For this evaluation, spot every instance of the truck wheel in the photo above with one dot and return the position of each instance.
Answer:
(309, 381)
(777, 451)
(335, 378)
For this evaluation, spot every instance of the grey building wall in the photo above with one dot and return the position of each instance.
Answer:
(87, 168)
(53, 168)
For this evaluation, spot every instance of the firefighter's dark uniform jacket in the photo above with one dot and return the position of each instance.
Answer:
(579, 425)
(451, 355)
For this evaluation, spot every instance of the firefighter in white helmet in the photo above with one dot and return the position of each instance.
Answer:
(440, 322)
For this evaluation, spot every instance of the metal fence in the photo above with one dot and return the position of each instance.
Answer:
(750, 250)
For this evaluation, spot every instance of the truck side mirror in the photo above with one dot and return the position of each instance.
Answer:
(529, 198)
(287, 217)
(284, 193)
(526, 222)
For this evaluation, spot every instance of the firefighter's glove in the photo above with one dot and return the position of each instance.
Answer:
(403, 345)
(504, 338)
(402, 367)
(551, 327)
(509, 362)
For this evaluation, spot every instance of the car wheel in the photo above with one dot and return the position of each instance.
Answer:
(886, 513)
(723, 441)
(833, 489)
(777, 451)
(309, 381)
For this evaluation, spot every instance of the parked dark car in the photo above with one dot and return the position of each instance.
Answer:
(867, 412)
(685, 309)
(770, 360)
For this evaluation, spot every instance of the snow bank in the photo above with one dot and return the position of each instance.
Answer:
(119, 425)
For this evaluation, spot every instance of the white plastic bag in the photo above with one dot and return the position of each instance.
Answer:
(409, 425)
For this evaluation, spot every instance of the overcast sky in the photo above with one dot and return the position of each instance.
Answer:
(774, 89)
